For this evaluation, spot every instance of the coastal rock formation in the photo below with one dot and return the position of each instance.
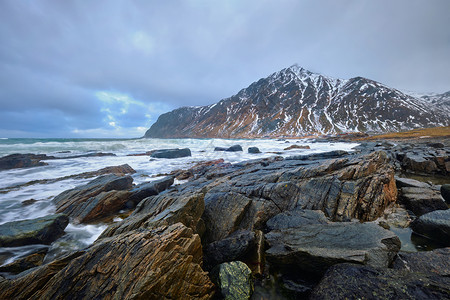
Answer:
(234, 280)
(253, 150)
(234, 148)
(436, 261)
(422, 200)
(445, 192)
(296, 102)
(171, 153)
(314, 248)
(145, 264)
(434, 225)
(15, 161)
(42, 230)
(349, 281)
(77, 202)
(24, 263)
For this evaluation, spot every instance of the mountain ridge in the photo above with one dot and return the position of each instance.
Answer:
(298, 102)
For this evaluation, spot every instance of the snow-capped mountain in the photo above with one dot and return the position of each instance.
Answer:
(296, 102)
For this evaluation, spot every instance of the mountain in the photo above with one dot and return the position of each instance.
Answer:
(297, 102)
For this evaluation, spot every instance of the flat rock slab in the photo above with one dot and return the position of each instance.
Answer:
(15, 161)
(436, 261)
(422, 200)
(434, 225)
(43, 230)
(408, 182)
(296, 218)
(350, 281)
(171, 153)
(164, 263)
(314, 248)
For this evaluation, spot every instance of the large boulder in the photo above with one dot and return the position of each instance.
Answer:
(148, 189)
(436, 261)
(445, 192)
(234, 148)
(314, 248)
(145, 264)
(420, 163)
(422, 200)
(234, 280)
(253, 150)
(42, 230)
(15, 161)
(408, 182)
(171, 153)
(77, 202)
(350, 281)
(434, 225)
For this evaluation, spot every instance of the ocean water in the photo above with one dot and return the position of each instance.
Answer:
(80, 236)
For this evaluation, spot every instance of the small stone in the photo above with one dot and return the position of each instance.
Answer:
(234, 280)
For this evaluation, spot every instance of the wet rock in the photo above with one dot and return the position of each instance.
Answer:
(234, 148)
(296, 218)
(95, 154)
(171, 153)
(407, 182)
(436, 261)
(314, 248)
(253, 150)
(148, 189)
(297, 147)
(324, 155)
(445, 192)
(147, 264)
(434, 225)
(162, 210)
(22, 264)
(76, 201)
(238, 246)
(396, 217)
(421, 200)
(349, 281)
(234, 280)
(29, 202)
(419, 163)
(42, 230)
(15, 161)
(436, 145)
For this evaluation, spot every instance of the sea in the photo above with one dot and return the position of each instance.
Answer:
(16, 186)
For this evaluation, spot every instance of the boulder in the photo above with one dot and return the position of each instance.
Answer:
(171, 153)
(296, 218)
(408, 182)
(253, 150)
(314, 248)
(445, 192)
(76, 201)
(42, 230)
(15, 161)
(323, 155)
(148, 189)
(24, 263)
(436, 145)
(420, 163)
(297, 147)
(234, 148)
(350, 281)
(422, 200)
(145, 264)
(434, 225)
(234, 280)
(436, 261)
(238, 246)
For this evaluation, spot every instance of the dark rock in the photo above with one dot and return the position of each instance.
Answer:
(77, 201)
(29, 202)
(436, 145)
(422, 200)
(324, 155)
(296, 218)
(314, 248)
(96, 154)
(434, 225)
(148, 189)
(297, 147)
(43, 230)
(445, 192)
(238, 246)
(234, 280)
(419, 163)
(407, 182)
(436, 261)
(349, 281)
(253, 150)
(15, 161)
(22, 264)
(146, 264)
(233, 148)
(162, 210)
(171, 153)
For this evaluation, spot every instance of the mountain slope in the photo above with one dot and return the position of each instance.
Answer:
(296, 102)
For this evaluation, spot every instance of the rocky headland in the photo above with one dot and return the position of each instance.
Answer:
(319, 226)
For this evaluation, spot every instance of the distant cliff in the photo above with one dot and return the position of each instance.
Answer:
(296, 102)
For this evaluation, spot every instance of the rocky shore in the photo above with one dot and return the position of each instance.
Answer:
(319, 226)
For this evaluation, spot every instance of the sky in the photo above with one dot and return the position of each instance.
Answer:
(110, 68)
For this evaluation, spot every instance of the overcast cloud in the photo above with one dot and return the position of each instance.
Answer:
(110, 68)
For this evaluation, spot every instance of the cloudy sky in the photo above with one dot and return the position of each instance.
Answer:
(110, 68)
